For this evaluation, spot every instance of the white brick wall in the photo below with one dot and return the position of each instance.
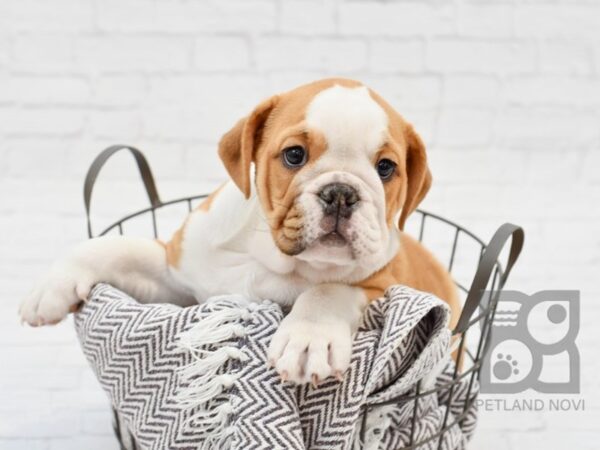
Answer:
(505, 93)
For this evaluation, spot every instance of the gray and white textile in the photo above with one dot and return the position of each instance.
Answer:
(190, 378)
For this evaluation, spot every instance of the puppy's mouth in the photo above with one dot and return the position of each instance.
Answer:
(333, 239)
(335, 231)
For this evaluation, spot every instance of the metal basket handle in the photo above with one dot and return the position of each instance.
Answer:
(488, 260)
(94, 170)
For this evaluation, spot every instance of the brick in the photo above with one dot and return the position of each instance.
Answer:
(206, 92)
(546, 128)
(119, 90)
(566, 21)
(37, 53)
(307, 17)
(187, 17)
(171, 122)
(325, 54)
(32, 194)
(221, 53)
(597, 58)
(30, 157)
(97, 423)
(471, 90)
(281, 81)
(151, 54)
(462, 127)
(5, 16)
(485, 20)
(559, 165)
(4, 51)
(565, 58)
(41, 423)
(194, 107)
(214, 16)
(396, 19)
(396, 56)
(591, 173)
(450, 55)
(49, 121)
(22, 444)
(415, 92)
(553, 91)
(55, 90)
(204, 163)
(127, 15)
(584, 440)
(424, 122)
(117, 125)
(492, 440)
(549, 203)
(474, 166)
(87, 442)
(4, 168)
(53, 379)
(6, 94)
(60, 15)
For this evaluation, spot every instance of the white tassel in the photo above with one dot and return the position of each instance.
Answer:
(211, 363)
(202, 384)
(209, 421)
(377, 424)
(213, 329)
(197, 394)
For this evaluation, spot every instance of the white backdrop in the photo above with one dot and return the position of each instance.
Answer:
(505, 93)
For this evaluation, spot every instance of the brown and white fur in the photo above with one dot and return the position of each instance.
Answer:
(267, 234)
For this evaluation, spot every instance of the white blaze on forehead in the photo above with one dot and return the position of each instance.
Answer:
(351, 121)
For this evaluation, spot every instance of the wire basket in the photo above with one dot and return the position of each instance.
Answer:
(480, 286)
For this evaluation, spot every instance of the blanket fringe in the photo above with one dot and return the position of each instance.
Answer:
(201, 381)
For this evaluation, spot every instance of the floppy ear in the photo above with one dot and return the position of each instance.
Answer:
(417, 171)
(237, 146)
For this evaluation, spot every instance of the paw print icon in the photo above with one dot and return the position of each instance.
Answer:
(532, 344)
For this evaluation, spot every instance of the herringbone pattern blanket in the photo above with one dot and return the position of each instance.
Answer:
(197, 377)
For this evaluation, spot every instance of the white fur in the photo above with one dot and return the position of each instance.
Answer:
(353, 123)
(138, 266)
(314, 341)
(230, 250)
(355, 127)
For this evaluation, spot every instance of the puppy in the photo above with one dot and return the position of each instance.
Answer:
(315, 227)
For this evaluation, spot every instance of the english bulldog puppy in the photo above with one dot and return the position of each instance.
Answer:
(316, 226)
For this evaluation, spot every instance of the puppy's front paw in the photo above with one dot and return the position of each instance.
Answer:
(61, 291)
(305, 351)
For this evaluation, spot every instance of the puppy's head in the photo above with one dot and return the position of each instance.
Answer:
(337, 170)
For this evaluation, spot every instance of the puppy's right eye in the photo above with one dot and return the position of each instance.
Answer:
(294, 157)
(385, 168)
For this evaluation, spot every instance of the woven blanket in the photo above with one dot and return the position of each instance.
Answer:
(196, 378)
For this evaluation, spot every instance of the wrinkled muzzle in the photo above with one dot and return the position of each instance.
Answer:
(337, 217)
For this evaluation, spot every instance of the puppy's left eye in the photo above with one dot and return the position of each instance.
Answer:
(385, 168)
(294, 157)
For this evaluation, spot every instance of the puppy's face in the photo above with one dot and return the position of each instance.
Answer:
(336, 168)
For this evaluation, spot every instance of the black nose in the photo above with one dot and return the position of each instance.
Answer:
(338, 199)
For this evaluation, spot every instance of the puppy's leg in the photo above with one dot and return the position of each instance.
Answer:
(135, 265)
(314, 341)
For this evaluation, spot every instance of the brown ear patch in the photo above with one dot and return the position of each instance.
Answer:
(238, 145)
(418, 173)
